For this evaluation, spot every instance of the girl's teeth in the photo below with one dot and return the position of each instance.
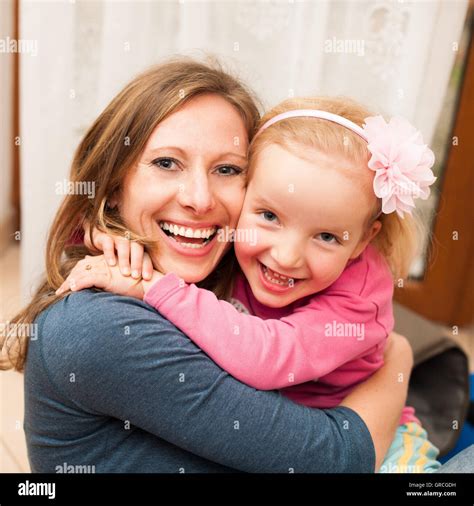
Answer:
(274, 277)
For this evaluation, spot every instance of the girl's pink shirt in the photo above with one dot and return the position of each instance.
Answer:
(315, 351)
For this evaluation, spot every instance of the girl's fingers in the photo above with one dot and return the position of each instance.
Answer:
(63, 287)
(123, 251)
(87, 240)
(147, 267)
(87, 281)
(89, 267)
(108, 247)
(136, 259)
(69, 282)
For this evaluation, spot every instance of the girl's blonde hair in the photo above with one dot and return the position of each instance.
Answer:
(109, 149)
(399, 238)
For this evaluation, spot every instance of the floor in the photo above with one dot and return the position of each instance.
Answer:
(13, 455)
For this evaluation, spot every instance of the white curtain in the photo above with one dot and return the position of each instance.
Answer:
(6, 130)
(394, 56)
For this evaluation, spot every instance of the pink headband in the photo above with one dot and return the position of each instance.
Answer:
(401, 162)
(315, 113)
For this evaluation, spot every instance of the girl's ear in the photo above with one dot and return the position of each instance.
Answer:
(369, 235)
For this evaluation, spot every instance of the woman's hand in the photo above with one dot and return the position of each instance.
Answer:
(380, 399)
(95, 271)
(398, 347)
(132, 258)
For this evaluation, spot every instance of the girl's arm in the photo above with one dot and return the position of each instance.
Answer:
(380, 399)
(265, 354)
(269, 354)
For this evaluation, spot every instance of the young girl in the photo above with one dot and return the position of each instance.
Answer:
(325, 228)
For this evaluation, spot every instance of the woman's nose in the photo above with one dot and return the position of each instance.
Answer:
(196, 193)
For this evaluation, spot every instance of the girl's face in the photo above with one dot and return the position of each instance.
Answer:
(308, 219)
(189, 182)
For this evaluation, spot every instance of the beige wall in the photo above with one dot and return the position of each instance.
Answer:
(6, 134)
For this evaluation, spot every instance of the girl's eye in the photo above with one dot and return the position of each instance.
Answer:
(228, 170)
(164, 163)
(269, 216)
(328, 238)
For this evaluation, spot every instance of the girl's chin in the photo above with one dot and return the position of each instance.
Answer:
(273, 300)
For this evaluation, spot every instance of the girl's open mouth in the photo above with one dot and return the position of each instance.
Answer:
(274, 280)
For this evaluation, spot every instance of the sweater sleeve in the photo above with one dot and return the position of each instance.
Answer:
(269, 354)
(131, 364)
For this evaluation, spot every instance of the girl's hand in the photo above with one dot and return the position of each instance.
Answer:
(132, 258)
(95, 271)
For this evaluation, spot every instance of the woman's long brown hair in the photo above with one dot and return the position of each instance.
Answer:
(108, 150)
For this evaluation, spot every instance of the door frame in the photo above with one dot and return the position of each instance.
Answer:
(446, 292)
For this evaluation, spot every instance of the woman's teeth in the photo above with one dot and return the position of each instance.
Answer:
(276, 278)
(199, 236)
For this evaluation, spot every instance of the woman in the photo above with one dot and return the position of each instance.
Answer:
(111, 384)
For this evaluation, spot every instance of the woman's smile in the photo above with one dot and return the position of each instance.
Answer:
(189, 240)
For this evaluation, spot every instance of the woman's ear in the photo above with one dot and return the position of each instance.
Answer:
(368, 236)
(113, 201)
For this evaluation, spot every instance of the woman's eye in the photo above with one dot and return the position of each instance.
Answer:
(228, 170)
(164, 163)
(269, 216)
(327, 237)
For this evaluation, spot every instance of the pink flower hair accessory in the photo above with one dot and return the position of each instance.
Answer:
(401, 161)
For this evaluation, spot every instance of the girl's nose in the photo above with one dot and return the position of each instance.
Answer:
(196, 192)
(288, 255)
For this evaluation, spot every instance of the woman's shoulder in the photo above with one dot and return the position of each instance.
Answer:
(89, 309)
(90, 321)
(86, 334)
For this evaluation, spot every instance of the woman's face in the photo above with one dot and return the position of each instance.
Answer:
(188, 184)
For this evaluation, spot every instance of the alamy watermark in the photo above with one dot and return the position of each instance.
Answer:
(247, 235)
(27, 488)
(347, 46)
(66, 187)
(9, 330)
(66, 468)
(339, 329)
(408, 188)
(400, 468)
(24, 46)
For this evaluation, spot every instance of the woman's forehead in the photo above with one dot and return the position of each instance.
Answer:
(206, 123)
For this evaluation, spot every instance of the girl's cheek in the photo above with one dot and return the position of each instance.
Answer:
(246, 223)
(328, 269)
(243, 251)
(232, 196)
(248, 244)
